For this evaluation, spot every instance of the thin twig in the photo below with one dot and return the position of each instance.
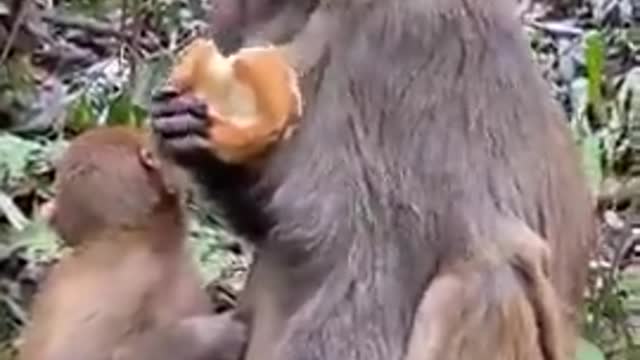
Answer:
(134, 43)
(124, 13)
(14, 30)
(555, 28)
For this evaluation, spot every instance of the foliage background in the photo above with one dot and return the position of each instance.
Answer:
(69, 65)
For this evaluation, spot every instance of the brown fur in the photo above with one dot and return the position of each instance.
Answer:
(426, 125)
(503, 293)
(130, 270)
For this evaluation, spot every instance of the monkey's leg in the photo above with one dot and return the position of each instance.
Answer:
(498, 306)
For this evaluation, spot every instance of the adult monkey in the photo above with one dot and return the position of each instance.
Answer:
(430, 154)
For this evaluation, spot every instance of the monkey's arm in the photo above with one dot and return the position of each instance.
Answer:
(215, 337)
(308, 46)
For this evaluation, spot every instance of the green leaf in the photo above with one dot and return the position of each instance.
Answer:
(588, 351)
(578, 91)
(13, 214)
(594, 57)
(14, 154)
(629, 97)
(123, 112)
(594, 53)
(592, 160)
(82, 116)
(42, 243)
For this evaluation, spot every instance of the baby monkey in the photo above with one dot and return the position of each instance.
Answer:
(129, 280)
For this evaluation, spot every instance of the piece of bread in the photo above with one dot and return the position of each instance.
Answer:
(252, 96)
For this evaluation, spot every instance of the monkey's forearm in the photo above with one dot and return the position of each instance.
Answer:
(229, 186)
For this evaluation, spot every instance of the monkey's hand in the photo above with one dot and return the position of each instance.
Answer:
(182, 129)
(181, 125)
(253, 100)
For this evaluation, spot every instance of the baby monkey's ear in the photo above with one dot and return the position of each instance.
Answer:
(148, 159)
(170, 177)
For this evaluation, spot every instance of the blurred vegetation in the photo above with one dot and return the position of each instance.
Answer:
(589, 53)
(69, 65)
